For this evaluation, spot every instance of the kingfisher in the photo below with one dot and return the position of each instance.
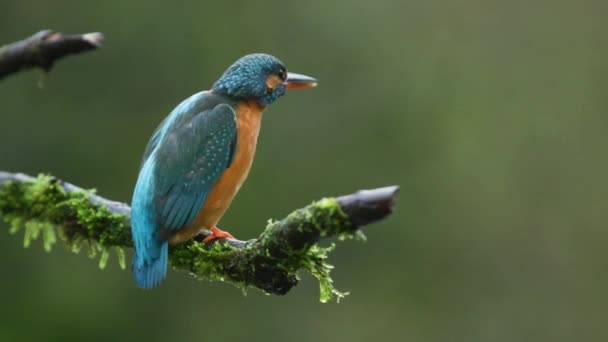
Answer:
(198, 158)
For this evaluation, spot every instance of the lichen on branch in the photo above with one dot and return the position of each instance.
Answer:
(47, 207)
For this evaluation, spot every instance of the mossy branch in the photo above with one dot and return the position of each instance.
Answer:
(270, 262)
(43, 49)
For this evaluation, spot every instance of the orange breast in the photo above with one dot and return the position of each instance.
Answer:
(248, 118)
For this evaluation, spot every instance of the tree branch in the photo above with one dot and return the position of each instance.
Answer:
(43, 49)
(270, 262)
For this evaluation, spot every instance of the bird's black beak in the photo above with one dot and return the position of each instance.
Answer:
(299, 81)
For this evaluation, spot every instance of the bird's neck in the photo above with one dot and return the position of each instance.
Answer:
(249, 120)
(249, 111)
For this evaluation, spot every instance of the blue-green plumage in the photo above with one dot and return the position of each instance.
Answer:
(190, 151)
(247, 79)
(185, 157)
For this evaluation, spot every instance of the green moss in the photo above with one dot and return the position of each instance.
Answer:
(120, 254)
(218, 262)
(49, 236)
(44, 208)
(320, 219)
(271, 262)
(316, 265)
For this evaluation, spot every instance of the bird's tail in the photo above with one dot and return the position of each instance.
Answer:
(151, 269)
(150, 259)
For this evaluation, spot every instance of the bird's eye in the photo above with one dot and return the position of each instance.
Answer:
(282, 74)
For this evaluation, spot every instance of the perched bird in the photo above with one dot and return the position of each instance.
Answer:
(198, 158)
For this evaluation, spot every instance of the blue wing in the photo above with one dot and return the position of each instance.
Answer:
(184, 159)
(189, 160)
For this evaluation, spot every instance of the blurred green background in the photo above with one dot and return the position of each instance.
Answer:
(491, 115)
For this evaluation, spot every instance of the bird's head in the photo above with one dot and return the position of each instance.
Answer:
(261, 77)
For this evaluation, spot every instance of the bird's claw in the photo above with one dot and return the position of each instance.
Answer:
(217, 233)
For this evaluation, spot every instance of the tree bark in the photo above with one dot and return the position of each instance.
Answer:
(43, 49)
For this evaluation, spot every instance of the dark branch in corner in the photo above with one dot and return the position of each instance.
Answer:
(269, 262)
(43, 49)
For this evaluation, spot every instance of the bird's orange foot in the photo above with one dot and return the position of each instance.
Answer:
(217, 233)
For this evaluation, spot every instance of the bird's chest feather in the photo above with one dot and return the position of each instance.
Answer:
(248, 116)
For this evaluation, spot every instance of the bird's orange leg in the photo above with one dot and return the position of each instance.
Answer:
(217, 233)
